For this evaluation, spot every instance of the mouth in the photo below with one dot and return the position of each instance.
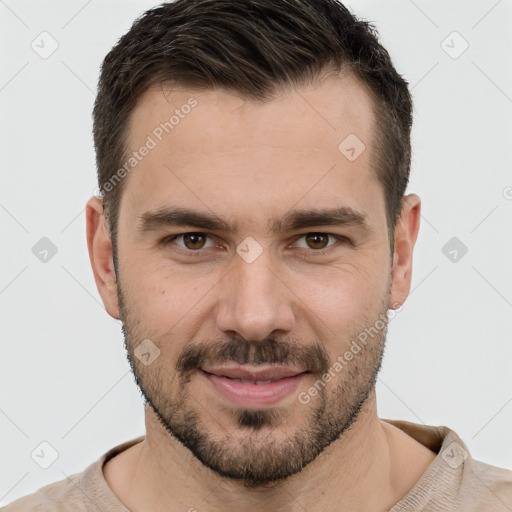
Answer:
(254, 387)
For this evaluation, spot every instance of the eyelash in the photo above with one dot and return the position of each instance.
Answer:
(195, 253)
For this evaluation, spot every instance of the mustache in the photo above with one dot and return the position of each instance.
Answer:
(313, 358)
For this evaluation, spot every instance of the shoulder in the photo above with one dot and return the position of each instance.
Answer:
(87, 491)
(54, 497)
(454, 480)
(487, 484)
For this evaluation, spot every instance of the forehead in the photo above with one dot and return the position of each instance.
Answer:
(328, 111)
(218, 151)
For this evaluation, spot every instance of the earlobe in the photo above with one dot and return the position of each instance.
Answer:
(406, 233)
(100, 255)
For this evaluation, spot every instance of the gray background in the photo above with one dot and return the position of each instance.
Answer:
(64, 376)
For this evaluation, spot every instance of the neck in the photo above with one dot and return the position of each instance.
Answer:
(367, 469)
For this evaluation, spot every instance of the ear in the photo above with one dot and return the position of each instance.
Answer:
(406, 232)
(100, 255)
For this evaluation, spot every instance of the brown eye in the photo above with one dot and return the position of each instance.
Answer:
(320, 243)
(317, 240)
(194, 240)
(190, 241)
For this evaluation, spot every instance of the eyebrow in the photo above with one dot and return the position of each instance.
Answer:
(170, 217)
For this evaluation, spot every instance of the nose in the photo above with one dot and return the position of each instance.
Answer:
(255, 300)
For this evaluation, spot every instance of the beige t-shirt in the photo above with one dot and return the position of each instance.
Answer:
(453, 482)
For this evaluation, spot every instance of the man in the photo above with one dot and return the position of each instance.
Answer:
(254, 237)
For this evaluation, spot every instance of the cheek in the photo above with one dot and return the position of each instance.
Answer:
(170, 305)
(343, 294)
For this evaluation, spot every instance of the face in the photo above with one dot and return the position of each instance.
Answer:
(253, 258)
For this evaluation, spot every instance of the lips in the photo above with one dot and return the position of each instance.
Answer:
(254, 387)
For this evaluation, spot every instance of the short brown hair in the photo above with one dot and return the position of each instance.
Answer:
(254, 48)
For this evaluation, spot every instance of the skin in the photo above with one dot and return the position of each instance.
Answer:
(249, 162)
